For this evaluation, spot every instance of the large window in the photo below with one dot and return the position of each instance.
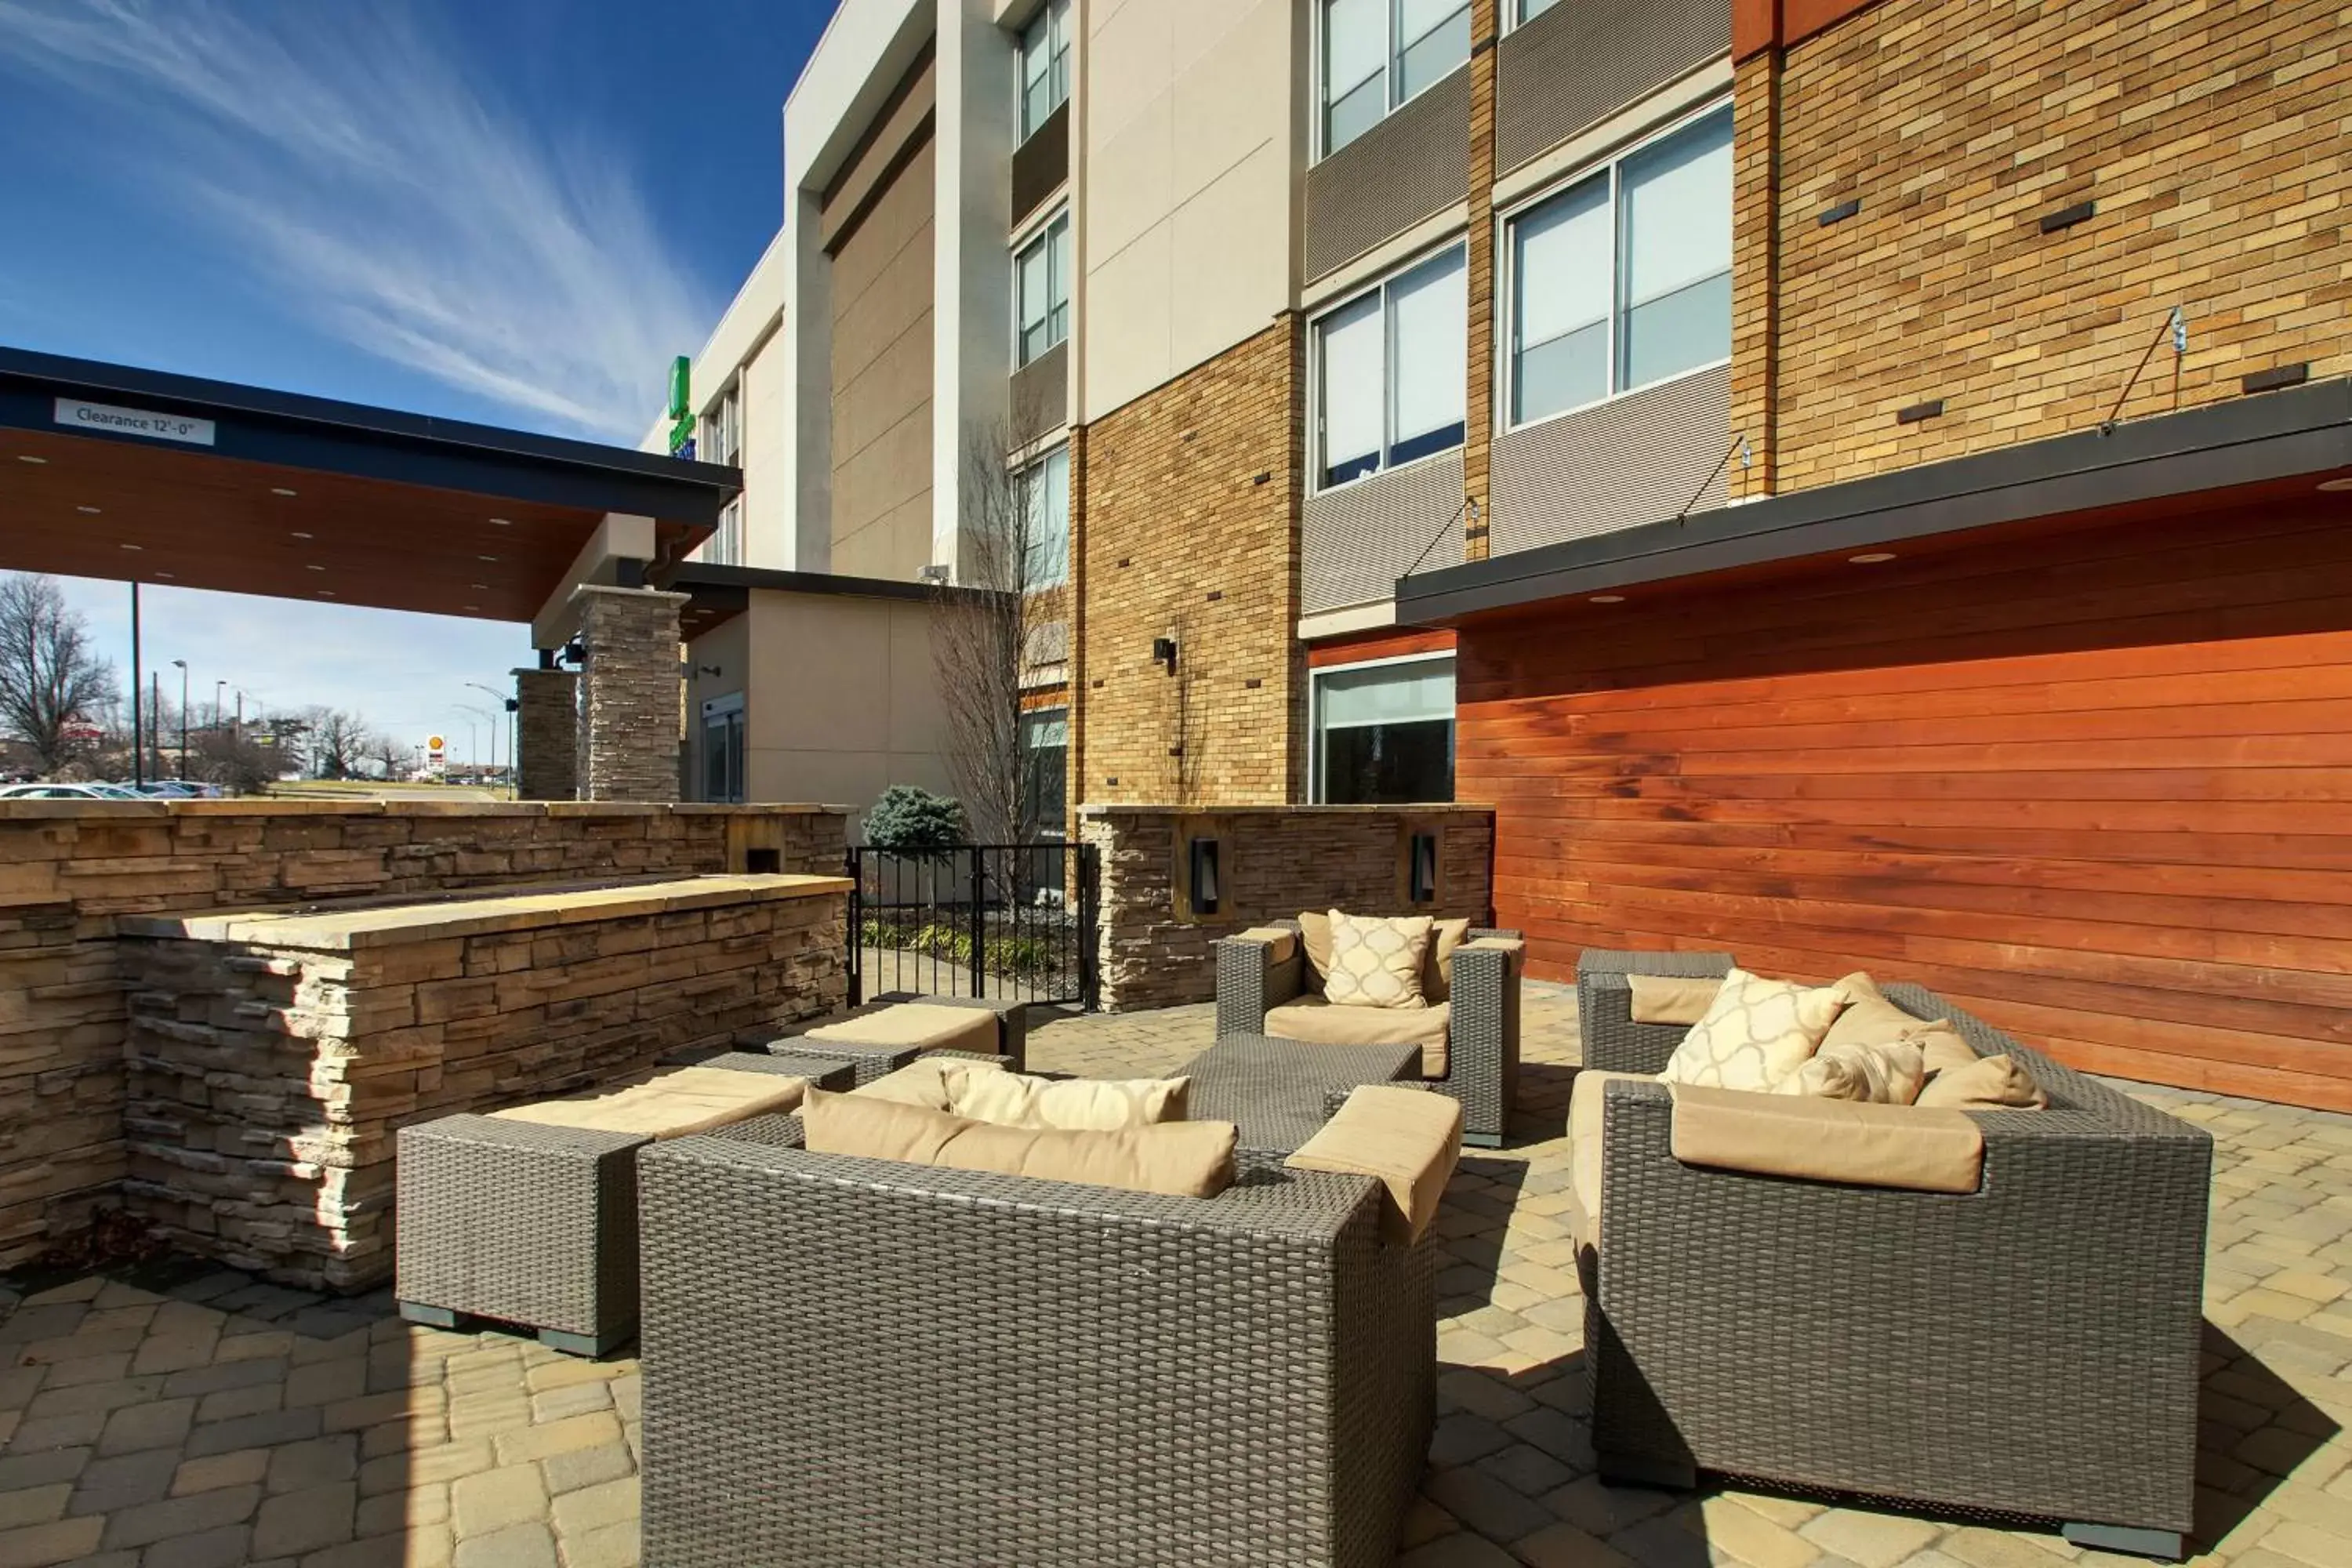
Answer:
(721, 441)
(1040, 286)
(1043, 490)
(1045, 66)
(1390, 372)
(1384, 732)
(1379, 53)
(1045, 772)
(1625, 278)
(1530, 9)
(722, 749)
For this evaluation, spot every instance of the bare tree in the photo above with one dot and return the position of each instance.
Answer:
(338, 740)
(51, 680)
(388, 754)
(1001, 630)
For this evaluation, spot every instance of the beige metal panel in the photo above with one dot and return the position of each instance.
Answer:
(1227, 259)
(1125, 333)
(1410, 166)
(861, 181)
(1355, 542)
(1575, 65)
(877, 253)
(885, 475)
(897, 381)
(767, 470)
(1131, 179)
(1638, 458)
(883, 348)
(918, 722)
(1231, 89)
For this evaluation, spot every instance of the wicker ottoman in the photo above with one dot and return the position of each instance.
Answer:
(884, 1036)
(535, 1224)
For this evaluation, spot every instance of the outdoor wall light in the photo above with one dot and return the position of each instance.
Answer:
(1423, 890)
(1163, 652)
(711, 671)
(575, 652)
(1204, 876)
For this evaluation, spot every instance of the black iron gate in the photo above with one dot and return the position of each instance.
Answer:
(1012, 921)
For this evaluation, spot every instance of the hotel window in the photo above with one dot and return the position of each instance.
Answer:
(1390, 375)
(1044, 773)
(1530, 9)
(722, 428)
(725, 548)
(1379, 53)
(1384, 732)
(1044, 492)
(1040, 286)
(1045, 66)
(1624, 279)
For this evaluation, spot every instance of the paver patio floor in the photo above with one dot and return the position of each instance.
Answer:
(185, 1416)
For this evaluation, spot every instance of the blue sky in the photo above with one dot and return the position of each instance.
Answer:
(513, 212)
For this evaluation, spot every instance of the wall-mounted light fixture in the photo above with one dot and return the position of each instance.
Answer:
(1205, 889)
(711, 671)
(1163, 652)
(1423, 880)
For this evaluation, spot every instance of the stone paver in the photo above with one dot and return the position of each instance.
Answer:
(207, 1417)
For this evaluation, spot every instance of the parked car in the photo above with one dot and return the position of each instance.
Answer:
(68, 792)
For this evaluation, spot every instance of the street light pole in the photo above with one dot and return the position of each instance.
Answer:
(499, 697)
(138, 724)
(182, 666)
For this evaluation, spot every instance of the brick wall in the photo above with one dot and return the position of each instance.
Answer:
(1189, 524)
(2215, 137)
(69, 870)
(1154, 953)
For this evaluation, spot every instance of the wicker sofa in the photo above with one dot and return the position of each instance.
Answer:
(2030, 1348)
(1255, 977)
(852, 1360)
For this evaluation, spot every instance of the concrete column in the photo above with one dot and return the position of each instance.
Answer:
(547, 734)
(630, 692)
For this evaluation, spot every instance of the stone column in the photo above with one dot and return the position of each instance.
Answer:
(630, 692)
(547, 734)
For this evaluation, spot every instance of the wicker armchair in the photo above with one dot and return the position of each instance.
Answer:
(2030, 1348)
(852, 1361)
(1482, 1034)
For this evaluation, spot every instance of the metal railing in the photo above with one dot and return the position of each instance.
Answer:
(1005, 921)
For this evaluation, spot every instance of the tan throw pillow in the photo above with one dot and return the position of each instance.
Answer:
(1988, 1083)
(1945, 1048)
(1314, 936)
(1180, 1159)
(1870, 1019)
(1877, 1075)
(1755, 1033)
(1437, 975)
(1407, 1139)
(1079, 1104)
(1376, 963)
(1670, 998)
(922, 1081)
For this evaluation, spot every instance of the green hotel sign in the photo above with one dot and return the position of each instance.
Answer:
(681, 405)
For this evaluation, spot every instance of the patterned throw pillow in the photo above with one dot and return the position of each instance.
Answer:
(1377, 962)
(1755, 1033)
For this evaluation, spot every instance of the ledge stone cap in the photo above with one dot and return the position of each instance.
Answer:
(104, 811)
(440, 920)
(1275, 808)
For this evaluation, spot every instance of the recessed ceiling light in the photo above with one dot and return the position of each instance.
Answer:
(473, 606)
(297, 533)
(1608, 599)
(326, 592)
(28, 458)
(491, 559)
(314, 568)
(479, 587)
(501, 523)
(163, 576)
(281, 491)
(1872, 558)
(134, 547)
(2344, 484)
(86, 510)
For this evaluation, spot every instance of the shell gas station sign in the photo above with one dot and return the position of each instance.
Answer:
(436, 757)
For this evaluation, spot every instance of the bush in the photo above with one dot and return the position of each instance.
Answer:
(909, 820)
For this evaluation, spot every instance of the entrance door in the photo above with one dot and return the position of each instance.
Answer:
(722, 750)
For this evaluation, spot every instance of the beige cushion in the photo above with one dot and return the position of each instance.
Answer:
(1182, 1159)
(1016, 1099)
(1755, 1033)
(922, 1081)
(1882, 1075)
(1670, 998)
(1437, 973)
(1316, 1022)
(1944, 1047)
(931, 1026)
(1314, 936)
(1283, 943)
(1988, 1083)
(1584, 1108)
(674, 1103)
(1839, 1141)
(1408, 1139)
(1376, 961)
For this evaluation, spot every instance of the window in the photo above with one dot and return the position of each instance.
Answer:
(722, 428)
(1625, 278)
(1045, 66)
(1041, 285)
(1045, 772)
(1384, 732)
(1530, 9)
(1379, 53)
(1390, 373)
(722, 749)
(725, 548)
(1044, 489)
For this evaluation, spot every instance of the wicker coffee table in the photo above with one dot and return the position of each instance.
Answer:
(1278, 1091)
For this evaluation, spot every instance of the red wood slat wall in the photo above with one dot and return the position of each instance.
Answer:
(2096, 787)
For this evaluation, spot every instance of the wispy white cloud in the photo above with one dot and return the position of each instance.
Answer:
(387, 196)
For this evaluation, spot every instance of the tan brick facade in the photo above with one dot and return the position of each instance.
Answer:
(2215, 137)
(1479, 404)
(1187, 525)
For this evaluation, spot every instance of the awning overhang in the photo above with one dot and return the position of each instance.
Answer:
(2257, 444)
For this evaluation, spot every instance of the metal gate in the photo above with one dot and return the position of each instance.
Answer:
(1008, 920)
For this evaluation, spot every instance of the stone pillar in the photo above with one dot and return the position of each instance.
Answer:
(630, 692)
(547, 734)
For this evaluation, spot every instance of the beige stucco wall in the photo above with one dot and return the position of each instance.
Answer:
(881, 289)
(1189, 168)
